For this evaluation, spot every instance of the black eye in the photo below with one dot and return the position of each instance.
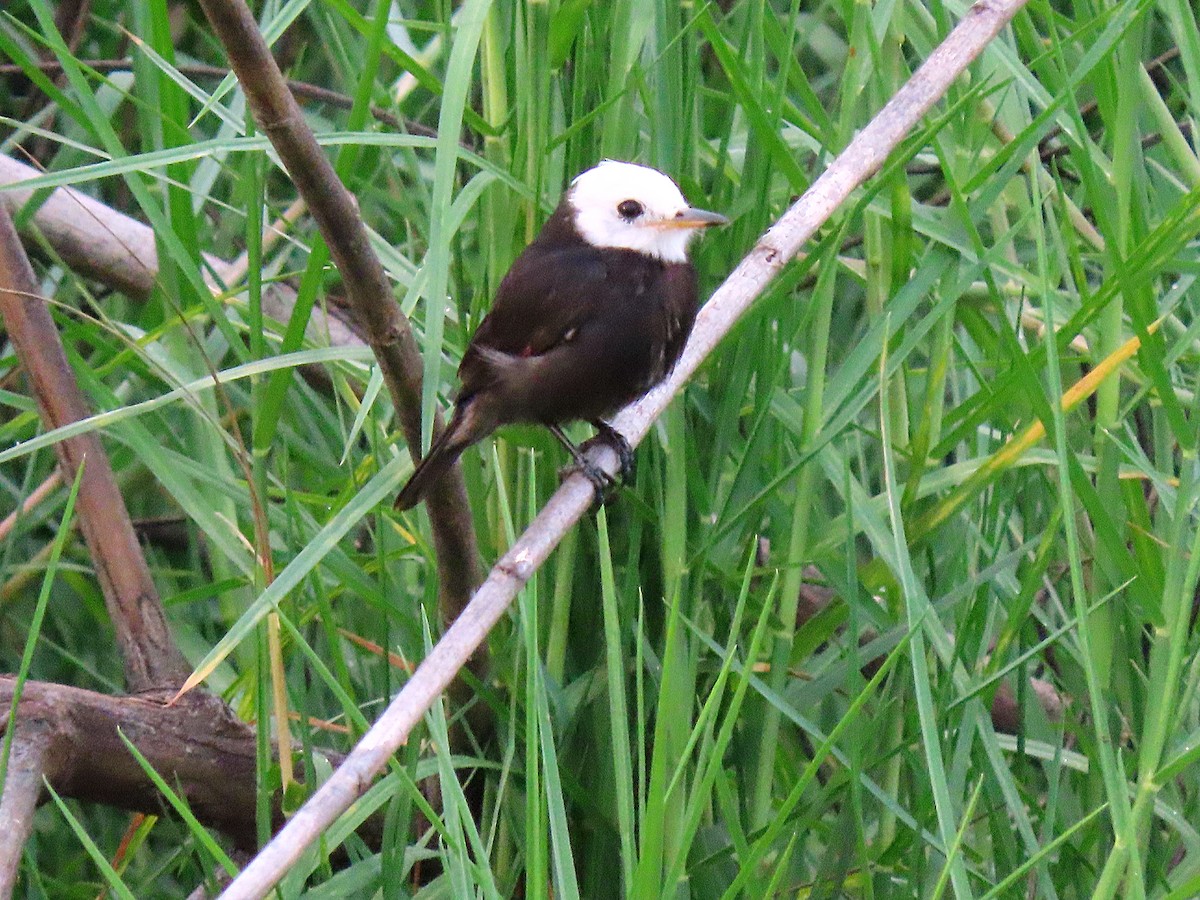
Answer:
(629, 209)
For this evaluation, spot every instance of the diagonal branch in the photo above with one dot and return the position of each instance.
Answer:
(861, 159)
(152, 659)
(367, 289)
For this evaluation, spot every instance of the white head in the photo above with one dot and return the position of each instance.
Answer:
(622, 205)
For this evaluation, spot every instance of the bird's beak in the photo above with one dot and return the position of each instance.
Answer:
(693, 218)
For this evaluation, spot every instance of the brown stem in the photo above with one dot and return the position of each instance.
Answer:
(200, 748)
(367, 289)
(73, 737)
(152, 660)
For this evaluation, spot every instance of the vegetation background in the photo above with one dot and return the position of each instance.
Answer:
(900, 602)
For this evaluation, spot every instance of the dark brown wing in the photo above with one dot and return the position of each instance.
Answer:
(577, 332)
(542, 302)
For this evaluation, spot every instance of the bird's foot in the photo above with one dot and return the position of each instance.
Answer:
(602, 482)
(606, 434)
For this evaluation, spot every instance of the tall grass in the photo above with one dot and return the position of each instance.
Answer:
(986, 514)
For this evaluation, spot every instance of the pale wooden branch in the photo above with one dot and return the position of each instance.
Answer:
(367, 290)
(861, 159)
(222, 878)
(152, 659)
(99, 242)
(22, 787)
(91, 238)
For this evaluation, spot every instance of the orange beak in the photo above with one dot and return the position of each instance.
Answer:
(692, 218)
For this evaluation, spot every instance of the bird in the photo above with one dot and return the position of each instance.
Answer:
(592, 314)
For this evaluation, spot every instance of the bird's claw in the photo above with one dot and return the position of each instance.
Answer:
(602, 482)
(606, 434)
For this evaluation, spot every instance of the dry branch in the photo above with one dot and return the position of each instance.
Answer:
(22, 787)
(861, 159)
(98, 242)
(197, 745)
(152, 660)
(367, 290)
(92, 239)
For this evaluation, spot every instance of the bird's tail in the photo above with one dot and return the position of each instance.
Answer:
(449, 445)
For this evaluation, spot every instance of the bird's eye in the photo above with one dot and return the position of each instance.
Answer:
(629, 209)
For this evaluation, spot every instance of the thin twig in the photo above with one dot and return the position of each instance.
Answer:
(861, 159)
(52, 483)
(152, 659)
